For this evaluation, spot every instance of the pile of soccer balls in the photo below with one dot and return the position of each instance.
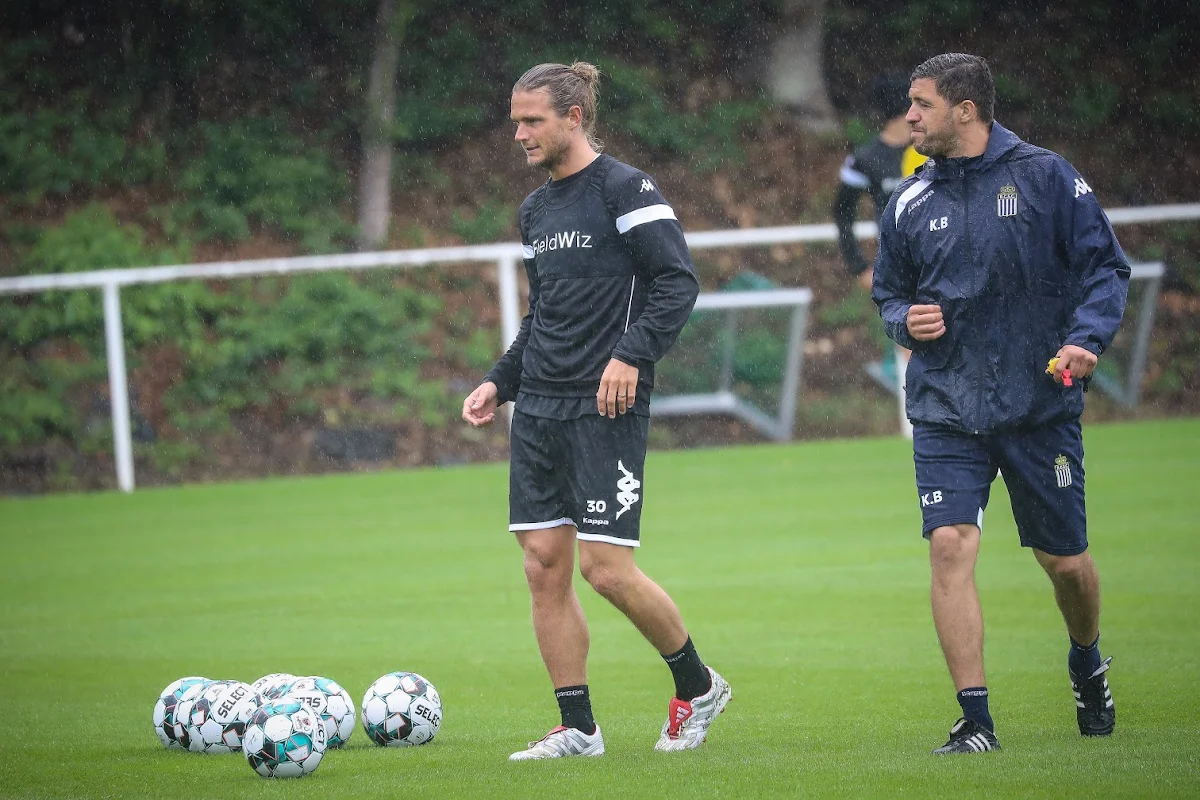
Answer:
(283, 724)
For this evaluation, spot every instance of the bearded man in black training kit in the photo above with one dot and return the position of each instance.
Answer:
(611, 285)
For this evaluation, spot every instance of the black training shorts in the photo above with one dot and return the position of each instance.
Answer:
(585, 472)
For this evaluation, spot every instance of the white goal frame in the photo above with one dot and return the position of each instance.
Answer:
(724, 400)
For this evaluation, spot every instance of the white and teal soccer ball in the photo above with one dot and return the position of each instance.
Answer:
(168, 700)
(273, 686)
(284, 739)
(330, 702)
(214, 721)
(401, 709)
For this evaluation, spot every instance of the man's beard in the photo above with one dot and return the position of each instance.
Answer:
(935, 145)
(553, 154)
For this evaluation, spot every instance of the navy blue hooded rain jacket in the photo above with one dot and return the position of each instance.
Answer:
(1016, 250)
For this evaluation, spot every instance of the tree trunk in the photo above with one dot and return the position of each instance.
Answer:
(795, 75)
(375, 177)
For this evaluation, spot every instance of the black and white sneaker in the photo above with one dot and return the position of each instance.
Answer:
(968, 736)
(1094, 709)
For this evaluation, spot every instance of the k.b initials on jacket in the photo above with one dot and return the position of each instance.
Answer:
(1016, 250)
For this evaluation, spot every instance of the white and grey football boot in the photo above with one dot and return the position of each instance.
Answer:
(687, 722)
(562, 742)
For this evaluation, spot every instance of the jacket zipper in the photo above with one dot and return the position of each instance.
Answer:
(975, 307)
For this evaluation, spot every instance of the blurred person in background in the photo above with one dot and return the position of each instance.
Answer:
(611, 285)
(993, 259)
(876, 169)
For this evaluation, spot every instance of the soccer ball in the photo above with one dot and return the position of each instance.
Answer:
(284, 739)
(273, 686)
(168, 701)
(330, 702)
(401, 709)
(214, 721)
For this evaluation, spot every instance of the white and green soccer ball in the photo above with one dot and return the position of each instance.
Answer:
(273, 686)
(214, 720)
(284, 739)
(401, 709)
(168, 700)
(330, 702)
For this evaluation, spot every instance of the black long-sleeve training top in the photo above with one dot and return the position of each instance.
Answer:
(610, 276)
(877, 169)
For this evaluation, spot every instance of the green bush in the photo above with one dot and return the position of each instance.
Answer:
(255, 172)
(441, 95)
(1174, 110)
(299, 345)
(710, 138)
(1093, 103)
(60, 148)
(490, 222)
(52, 344)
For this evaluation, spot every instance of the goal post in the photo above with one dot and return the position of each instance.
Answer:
(724, 399)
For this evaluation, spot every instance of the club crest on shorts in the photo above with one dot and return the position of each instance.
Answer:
(1006, 201)
(628, 486)
(1062, 471)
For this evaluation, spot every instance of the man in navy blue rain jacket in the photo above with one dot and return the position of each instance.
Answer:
(994, 258)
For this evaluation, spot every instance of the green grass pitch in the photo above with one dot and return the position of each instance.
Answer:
(799, 569)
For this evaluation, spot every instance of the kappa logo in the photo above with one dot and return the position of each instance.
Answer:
(1062, 471)
(628, 486)
(647, 186)
(1081, 188)
(920, 200)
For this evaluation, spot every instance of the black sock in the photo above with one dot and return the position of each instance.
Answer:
(1083, 660)
(690, 674)
(974, 702)
(575, 705)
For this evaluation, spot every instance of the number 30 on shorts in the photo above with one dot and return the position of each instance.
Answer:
(597, 506)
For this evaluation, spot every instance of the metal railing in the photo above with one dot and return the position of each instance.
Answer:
(506, 257)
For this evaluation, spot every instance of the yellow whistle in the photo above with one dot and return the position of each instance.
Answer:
(1050, 367)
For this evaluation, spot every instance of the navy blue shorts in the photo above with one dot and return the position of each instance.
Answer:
(1042, 468)
(584, 472)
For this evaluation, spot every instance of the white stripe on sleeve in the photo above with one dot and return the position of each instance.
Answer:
(627, 222)
(909, 194)
(852, 177)
(629, 310)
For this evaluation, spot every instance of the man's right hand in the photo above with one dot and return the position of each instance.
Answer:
(479, 408)
(925, 323)
(865, 278)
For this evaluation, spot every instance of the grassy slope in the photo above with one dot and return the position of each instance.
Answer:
(799, 569)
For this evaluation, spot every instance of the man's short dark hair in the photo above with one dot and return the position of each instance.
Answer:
(889, 91)
(958, 77)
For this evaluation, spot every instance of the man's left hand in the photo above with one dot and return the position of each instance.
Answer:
(1081, 362)
(618, 387)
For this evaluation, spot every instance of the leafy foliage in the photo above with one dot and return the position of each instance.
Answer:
(51, 345)
(256, 171)
(309, 346)
(710, 138)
